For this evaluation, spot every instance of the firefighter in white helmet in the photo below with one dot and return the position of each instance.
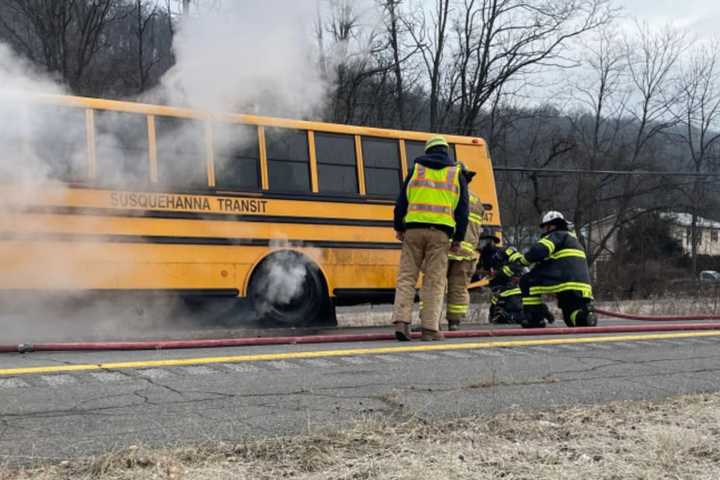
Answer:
(559, 268)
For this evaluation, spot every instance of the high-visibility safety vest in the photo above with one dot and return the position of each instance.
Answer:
(433, 195)
(468, 247)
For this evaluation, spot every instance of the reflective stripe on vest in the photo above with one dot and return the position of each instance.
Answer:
(421, 179)
(433, 195)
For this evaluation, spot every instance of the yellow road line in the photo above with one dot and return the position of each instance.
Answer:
(350, 352)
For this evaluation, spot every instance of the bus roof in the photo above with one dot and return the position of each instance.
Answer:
(149, 109)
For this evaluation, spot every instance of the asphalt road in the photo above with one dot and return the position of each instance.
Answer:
(76, 404)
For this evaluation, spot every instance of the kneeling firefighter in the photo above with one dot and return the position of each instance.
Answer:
(502, 267)
(560, 268)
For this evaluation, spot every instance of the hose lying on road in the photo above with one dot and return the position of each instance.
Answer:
(340, 338)
(653, 318)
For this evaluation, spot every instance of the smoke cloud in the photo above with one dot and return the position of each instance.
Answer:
(284, 273)
(250, 57)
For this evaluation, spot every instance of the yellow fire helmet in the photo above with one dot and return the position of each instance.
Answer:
(435, 141)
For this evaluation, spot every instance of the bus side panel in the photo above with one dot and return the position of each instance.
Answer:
(81, 265)
(477, 159)
(92, 265)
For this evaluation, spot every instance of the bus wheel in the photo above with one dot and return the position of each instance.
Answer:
(287, 289)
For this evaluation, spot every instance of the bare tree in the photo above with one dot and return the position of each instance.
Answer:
(431, 37)
(393, 25)
(498, 40)
(65, 37)
(698, 113)
(355, 59)
(602, 95)
(630, 114)
(144, 15)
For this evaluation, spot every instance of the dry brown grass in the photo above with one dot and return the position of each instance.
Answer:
(374, 316)
(667, 305)
(674, 439)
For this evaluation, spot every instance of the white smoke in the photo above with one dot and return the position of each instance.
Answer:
(25, 161)
(251, 57)
(284, 273)
(284, 279)
(248, 57)
(19, 77)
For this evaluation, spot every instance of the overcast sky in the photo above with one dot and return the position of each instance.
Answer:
(700, 16)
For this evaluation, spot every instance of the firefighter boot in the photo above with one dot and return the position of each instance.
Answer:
(429, 335)
(402, 331)
(583, 317)
(453, 325)
(587, 317)
(534, 317)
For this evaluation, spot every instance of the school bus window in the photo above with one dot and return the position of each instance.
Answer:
(415, 149)
(288, 160)
(237, 157)
(180, 152)
(383, 174)
(337, 171)
(121, 148)
(57, 146)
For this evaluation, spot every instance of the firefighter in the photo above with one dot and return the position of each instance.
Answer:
(430, 212)
(560, 268)
(504, 268)
(462, 263)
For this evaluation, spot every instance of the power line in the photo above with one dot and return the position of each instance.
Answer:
(568, 171)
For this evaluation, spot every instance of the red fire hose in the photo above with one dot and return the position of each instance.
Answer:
(236, 342)
(651, 318)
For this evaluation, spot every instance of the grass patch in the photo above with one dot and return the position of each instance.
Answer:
(676, 438)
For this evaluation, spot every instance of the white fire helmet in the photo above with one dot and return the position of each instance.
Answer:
(551, 216)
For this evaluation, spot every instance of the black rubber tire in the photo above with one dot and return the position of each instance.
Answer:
(305, 303)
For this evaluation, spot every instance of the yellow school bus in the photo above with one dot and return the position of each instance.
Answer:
(120, 197)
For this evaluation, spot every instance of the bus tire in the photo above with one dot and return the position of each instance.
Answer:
(287, 289)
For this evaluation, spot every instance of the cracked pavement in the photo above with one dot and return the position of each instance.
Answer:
(91, 415)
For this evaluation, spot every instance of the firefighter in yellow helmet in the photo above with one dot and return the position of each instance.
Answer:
(431, 211)
(462, 263)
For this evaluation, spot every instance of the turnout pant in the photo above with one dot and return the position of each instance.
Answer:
(459, 274)
(578, 310)
(506, 304)
(422, 248)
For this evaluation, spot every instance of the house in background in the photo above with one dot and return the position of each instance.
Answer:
(680, 229)
(707, 235)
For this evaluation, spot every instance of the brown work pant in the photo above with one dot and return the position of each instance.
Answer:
(428, 248)
(460, 273)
